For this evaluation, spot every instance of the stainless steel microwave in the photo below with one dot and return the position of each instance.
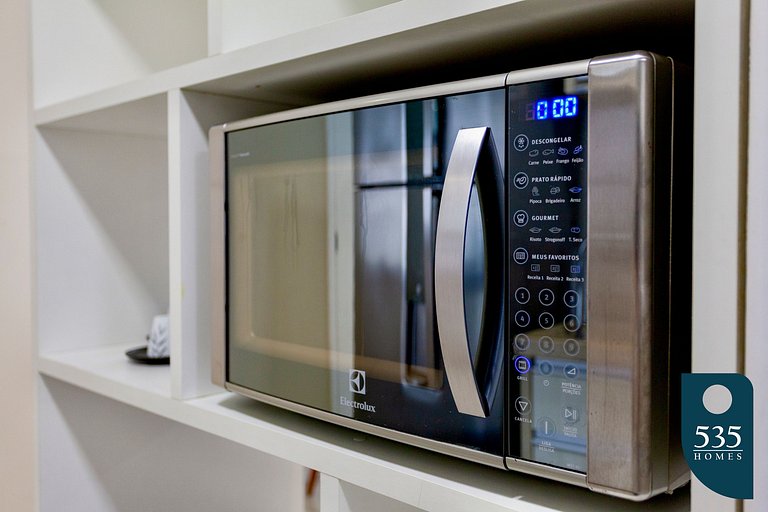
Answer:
(486, 268)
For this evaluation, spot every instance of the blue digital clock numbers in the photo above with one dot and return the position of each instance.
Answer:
(553, 108)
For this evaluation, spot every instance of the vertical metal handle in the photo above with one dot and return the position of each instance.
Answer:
(449, 269)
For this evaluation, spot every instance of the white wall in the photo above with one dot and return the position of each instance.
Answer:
(82, 46)
(17, 376)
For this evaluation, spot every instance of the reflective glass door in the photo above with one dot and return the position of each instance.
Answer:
(331, 233)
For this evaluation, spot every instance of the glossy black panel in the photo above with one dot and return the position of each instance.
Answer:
(547, 226)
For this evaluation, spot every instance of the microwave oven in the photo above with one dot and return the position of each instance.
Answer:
(487, 268)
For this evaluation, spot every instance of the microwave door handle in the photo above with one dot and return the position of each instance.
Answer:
(449, 270)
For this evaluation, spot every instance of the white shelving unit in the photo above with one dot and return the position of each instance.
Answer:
(124, 96)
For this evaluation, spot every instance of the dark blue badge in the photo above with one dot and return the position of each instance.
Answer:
(717, 431)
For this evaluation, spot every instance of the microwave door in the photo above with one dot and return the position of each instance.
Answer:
(331, 293)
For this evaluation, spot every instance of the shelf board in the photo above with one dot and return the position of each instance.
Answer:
(106, 370)
(403, 44)
(416, 477)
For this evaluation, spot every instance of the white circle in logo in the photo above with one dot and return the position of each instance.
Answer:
(717, 399)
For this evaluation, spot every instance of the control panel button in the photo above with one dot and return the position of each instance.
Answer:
(523, 405)
(571, 298)
(522, 318)
(571, 323)
(570, 414)
(546, 368)
(546, 320)
(520, 218)
(546, 297)
(546, 427)
(521, 142)
(571, 347)
(522, 342)
(571, 371)
(522, 295)
(520, 255)
(522, 364)
(520, 180)
(546, 344)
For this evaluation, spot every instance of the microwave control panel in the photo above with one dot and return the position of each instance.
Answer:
(547, 233)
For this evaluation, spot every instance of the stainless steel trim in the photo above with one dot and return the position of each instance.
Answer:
(619, 273)
(569, 477)
(217, 155)
(421, 442)
(461, 86)
(449, 271)
(547, 72)
(553, 473)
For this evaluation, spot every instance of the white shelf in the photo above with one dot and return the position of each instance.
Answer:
(106, 370)
(415, 477)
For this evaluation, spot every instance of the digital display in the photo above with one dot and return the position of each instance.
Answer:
(552, 108)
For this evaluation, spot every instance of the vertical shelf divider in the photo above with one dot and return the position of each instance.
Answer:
(190, 115)
(719, 214)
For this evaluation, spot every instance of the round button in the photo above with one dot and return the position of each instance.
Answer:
(546, 344)
(571, 323)
(546, 320)
(520, 218)
(521, 142)
(545, 368)
(520, 255)
(546, 297)
(520, 180)
(571, 299)
(522, 295)
(570, 414)
(571, 347)
(522, 364)
(522, 319)
(523, 405)
(522, 342)
(546, 427)
(571, 371)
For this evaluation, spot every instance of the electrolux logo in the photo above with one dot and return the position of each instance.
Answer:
(357, 385)
(365, 406)
(357, 381)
